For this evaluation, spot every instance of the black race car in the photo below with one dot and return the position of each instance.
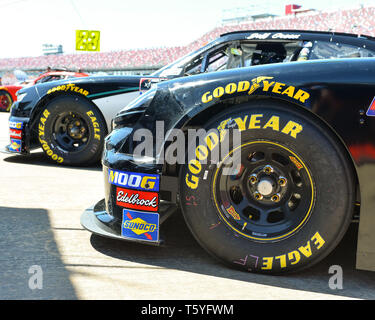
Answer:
(69, 119)
(284, 161)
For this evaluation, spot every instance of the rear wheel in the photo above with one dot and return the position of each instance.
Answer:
(279, 201)
(72, 131)
(5, 101)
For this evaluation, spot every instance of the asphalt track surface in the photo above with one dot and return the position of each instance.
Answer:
(40, 208)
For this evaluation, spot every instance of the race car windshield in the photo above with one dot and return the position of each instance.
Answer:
(175, 68)
(327, 50)
(229, 55)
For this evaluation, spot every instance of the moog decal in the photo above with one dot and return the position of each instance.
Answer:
(15, 125)
(132, 180)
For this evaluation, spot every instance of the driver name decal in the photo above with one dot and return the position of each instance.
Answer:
(278, 35)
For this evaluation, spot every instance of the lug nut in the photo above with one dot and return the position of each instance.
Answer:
(253, 179)
(275, 197)
(282, 181)
(258, 196)
(268, 169)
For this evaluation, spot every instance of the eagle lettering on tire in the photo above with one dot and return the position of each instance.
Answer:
(287, 203)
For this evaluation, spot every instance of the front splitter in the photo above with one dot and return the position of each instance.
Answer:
(91, 222)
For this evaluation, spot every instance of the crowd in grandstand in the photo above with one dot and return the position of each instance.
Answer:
(358, 21)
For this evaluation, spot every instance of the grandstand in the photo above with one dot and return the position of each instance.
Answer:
(355, 20)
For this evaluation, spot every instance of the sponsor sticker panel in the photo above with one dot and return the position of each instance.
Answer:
(140, 225)
(132, 180)
(15, 125)
(140, 200)
(16, 134)
(15, 145)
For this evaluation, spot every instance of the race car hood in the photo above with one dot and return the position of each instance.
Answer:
(95, 85)
(92, 87)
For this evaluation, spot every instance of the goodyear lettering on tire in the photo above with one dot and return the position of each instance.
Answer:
(248, 122)
(42, 140)
(95, 124)
(287, 259)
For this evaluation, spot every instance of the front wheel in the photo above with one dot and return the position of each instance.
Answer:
(71, 131)
(6, 101)
(280, 200)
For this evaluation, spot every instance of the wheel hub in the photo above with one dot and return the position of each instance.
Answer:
(265, 186)
(71, 131)
(271, 196)
(76, 130)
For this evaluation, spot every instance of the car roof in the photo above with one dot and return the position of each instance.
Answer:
(302, 32)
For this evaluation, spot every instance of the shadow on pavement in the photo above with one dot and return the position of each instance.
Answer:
(24, 243)
(182, 252)
(40, 159)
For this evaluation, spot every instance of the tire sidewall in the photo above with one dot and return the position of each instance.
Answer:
(329, 217)
(94, 121)
(5, 93)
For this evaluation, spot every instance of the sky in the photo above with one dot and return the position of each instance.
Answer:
(124, 24)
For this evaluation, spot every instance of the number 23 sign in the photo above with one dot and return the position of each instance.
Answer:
(87, 40)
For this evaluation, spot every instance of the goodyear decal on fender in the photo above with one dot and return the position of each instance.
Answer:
(149, 182)
(264, 83)
(371, 109)
(15, 145)
(68, 87)
(140, 225)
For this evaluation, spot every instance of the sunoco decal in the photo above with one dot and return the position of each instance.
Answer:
(15, 145)
(140, 200)
(149, 182)
(140, 225)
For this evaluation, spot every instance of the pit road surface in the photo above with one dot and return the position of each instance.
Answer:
(40, 208)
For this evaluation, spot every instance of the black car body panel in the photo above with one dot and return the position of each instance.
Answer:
(340, 94)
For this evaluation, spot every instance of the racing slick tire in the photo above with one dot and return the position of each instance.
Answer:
(279, 200)
(6, 101)
(71, 131)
